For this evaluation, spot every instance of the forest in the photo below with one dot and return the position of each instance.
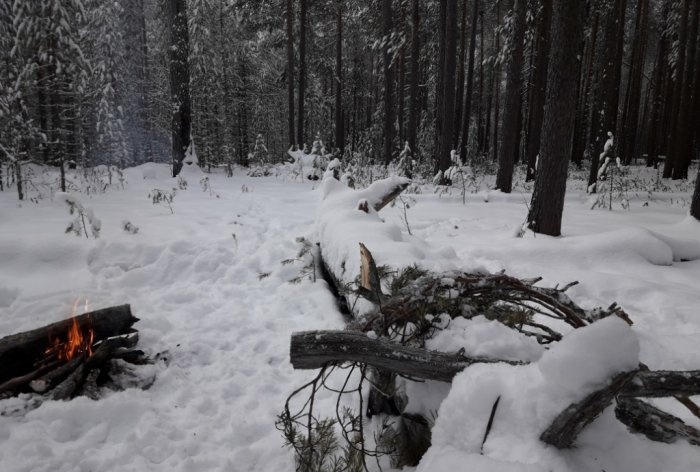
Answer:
(123, 83)
(350, 235)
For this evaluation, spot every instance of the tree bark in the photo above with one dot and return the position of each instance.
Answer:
(559, 116)
(302, 73)
(460, 75)
(448, 103)
(415, 56)
(290, 71)
(313, 349)
(179, 83)
(339, 125)
(605, 111)
(510, 129)
(630, 116)
(470, 85)
(655, 424)
(537, 104)
(682, 144)
(695, 203)
(569, 423)
(387, 28)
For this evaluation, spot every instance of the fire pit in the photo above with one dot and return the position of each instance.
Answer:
(69, 357)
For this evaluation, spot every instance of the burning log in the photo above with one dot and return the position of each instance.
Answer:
(58, 358)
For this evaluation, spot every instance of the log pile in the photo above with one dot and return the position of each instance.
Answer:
(69, 357)
(389, 341)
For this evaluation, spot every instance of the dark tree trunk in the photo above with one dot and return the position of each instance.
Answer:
(339, 125)
(448, 102)
(440, 84)
(401, 96)
(683, 146)
(658, 98)
(415, 56)
(539, 87)
(470, 85)
(459, 96)
(630, 117)
(676, 106)
(559, 115)
(496, 79)
(302, 73)
(605, 112)
(510, 129)
(480, 99)
(290, 71)
(695, 204)
(180, 83)
(583, 105)
(387, 27)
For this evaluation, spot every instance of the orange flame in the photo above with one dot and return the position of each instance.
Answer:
(76, 342)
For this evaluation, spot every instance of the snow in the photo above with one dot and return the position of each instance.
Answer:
(212, 294)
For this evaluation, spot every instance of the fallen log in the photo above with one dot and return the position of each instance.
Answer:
(655, 424)
(314, 349)
(19, 352)
(569, 423)
(663, 383)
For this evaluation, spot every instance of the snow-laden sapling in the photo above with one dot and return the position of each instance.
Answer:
(205, 183)
(84, 217)
(405, 165)
(160, 197)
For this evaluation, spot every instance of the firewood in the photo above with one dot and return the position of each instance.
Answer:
(655, 424)
(569, 423)
(57, 375)
(18, 352)
(76, 378)
(23, 380)
(314, 349)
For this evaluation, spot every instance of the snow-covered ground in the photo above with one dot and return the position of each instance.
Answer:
(208, 284)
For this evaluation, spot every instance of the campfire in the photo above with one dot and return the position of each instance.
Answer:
(78, 355)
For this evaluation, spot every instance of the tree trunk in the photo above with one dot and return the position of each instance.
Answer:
(415, 56)
(630, 117)
(388, 82)
(559, 117)
(302, 73)
(605, 112)
(658, 98)
(673, 131)
(448, 102)
(339, 125)
(539, 85)
(682, 145)
(480, 99)
(439, 85)
(470, 85)
(510, 130)
(459, 97)
(695, 203)
(290, 71)
(180, 83)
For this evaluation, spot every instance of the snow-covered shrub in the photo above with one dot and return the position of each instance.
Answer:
(259, 159)
(129, 227)
(160, 197)
(84, 217)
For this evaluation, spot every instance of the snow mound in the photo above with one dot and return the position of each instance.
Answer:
(530, 398)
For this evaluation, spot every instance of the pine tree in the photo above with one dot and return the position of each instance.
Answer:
(559, 116)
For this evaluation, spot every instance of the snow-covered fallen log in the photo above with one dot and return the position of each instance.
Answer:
(314, 349)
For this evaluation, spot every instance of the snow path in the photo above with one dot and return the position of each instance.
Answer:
(200, 296)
